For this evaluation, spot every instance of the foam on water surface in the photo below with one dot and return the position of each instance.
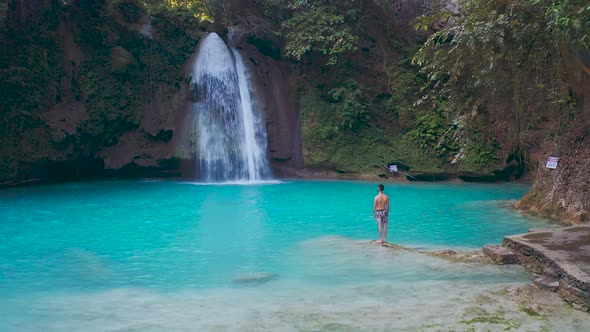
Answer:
(161, 256)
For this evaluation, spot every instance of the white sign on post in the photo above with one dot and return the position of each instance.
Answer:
(393, 168)
(552, 162)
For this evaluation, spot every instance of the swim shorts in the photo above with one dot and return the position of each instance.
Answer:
(381, 216)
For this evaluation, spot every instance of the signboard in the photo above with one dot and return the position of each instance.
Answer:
(552, 162)
(393, 168)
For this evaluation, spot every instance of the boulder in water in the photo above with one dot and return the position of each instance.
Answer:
(255, 278)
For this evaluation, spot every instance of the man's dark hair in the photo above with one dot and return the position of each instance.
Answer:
(381, 187)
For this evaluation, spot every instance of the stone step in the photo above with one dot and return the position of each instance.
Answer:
(500, 255)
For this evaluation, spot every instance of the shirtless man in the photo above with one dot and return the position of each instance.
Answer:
(381, 213)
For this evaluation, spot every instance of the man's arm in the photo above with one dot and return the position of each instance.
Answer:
(387, 206)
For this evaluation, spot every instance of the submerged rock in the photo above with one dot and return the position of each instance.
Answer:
(255, 278)
(475, 256)
(472, 256)
(389, 245)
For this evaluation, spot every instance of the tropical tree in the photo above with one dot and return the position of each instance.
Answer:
(505, 60)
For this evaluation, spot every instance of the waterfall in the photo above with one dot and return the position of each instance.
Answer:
(230, 129)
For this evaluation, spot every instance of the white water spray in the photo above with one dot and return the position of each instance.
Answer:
(230, 129)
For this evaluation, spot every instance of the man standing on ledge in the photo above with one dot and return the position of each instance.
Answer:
(381, 213)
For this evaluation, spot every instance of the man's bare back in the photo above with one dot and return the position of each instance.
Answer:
(381, 201)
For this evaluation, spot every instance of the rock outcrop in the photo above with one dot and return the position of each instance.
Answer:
(563, 194)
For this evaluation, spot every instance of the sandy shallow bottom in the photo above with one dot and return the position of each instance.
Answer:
(452, 308)
(401, 290)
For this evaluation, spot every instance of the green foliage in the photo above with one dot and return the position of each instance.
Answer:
(406, 86)
(119, 71)
(115, 96)
(323, 28)
(113, 93)
(327, 145)
(30, 72)
(199, 9)
(567, 20)
(178, 41)
(349, 105)
(31, 68)
(480, 155)
(132, 10)
(3, 14)
(429, 129)
(113, 100)
(426, 22)
(340, 109)
(317, 117)
(490, 35)
(491, 52)
(318, 29)
(436, 130)
(326, 121)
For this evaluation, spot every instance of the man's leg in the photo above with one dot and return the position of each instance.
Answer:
(384, 232)
(379, 228)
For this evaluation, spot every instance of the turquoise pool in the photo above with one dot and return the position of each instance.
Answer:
(140, 255)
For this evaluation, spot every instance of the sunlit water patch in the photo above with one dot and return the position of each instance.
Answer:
(165, 256)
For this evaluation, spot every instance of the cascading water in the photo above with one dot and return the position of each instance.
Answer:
(230, 129)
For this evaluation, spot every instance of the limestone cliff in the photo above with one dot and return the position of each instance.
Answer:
(563, 194)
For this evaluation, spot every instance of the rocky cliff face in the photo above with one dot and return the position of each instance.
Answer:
(103, 110)
(120, 100)
(161, 140)
(563, 194)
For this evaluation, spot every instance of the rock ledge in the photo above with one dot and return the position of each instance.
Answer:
(561, 256)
